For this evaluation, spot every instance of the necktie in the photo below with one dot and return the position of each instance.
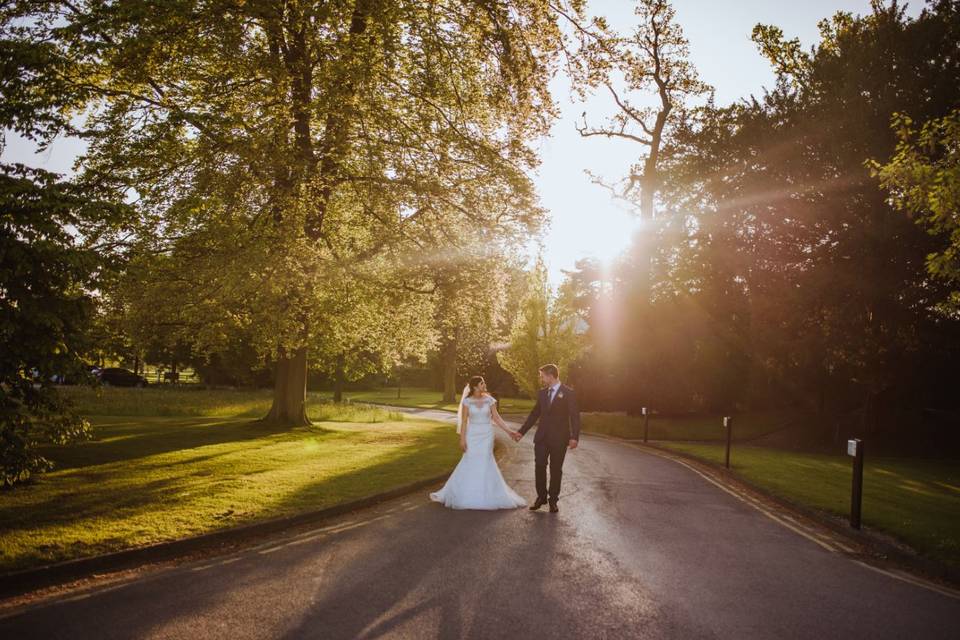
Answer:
(550, 396)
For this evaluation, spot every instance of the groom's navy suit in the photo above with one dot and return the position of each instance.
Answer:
(559, 423)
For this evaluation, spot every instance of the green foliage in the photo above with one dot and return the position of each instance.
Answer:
(297, 167)
(923, 177)
(471, 308)
(169, 401)
(782, 274)
(271, 204)
(544, 331)
(371, 327)
(45, 304)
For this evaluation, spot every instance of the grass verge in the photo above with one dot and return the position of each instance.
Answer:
(426, 399)
(914, 500)
(169, 400)
(148, 479)
(696, 428)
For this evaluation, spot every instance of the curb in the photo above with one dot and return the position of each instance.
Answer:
(879, 548)
(18, 583)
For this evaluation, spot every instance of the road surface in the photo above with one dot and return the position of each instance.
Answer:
(643, 547)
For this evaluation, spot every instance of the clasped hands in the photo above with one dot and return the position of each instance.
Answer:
(516, 435)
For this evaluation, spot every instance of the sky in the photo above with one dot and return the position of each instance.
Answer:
(584, 219)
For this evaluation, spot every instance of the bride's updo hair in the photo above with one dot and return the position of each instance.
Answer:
(474, 383)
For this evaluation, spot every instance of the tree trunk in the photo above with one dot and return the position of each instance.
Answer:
(449, 366)
(647, 193)
(338, 381)
(290, 390)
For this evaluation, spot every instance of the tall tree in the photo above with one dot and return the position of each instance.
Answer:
(273, 144)
(50, 260)
(545, 330)
(471, 305)
(46, 282)
(923, 178)
(650, 62)
(783, 274)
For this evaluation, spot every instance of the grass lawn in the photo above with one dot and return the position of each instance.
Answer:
(185, 401)
(169, 400)
(703, 428)
(202, 465)
(426, 399)
(917, 501)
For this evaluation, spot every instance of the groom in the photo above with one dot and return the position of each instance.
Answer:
(559, 430)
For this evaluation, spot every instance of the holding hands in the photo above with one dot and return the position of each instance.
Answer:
(516, 435)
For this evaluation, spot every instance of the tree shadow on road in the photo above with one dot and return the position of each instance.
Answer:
(459, 575)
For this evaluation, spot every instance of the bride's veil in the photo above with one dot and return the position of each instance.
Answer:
(463, 397)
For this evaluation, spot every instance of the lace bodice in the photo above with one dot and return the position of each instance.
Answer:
(479, 409)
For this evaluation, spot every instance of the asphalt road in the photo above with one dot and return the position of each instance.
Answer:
(643, 547)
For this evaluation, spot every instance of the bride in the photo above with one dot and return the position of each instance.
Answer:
(477, 483)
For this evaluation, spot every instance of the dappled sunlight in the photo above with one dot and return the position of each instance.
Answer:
(951, 487)
(159, 402)
(351, 412)
(914, 488)
(194, 485)
(883, 472)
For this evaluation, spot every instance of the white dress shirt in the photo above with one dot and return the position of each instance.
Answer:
(552, 393)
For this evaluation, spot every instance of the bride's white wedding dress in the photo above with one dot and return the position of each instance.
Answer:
(477, 483)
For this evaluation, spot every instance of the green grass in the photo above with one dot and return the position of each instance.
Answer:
(426, 399)
(915, 500)
(171, 401)
(147, 479)
(695, 428)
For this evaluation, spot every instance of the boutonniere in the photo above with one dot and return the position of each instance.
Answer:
(560, 395)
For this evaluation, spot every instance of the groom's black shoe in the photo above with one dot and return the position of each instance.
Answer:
(539, 502)
(553, 507)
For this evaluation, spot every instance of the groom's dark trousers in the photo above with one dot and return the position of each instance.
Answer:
(559, 422)
(551, 454)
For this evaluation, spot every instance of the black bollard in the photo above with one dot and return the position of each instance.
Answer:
(855, 449)
(728, 425)
(646, 423)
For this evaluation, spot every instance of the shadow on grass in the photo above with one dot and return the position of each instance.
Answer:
(197, 490)
(122, 439)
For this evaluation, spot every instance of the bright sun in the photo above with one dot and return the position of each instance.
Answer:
(597, 229)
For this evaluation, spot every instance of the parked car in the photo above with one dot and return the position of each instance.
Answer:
(75, 377)
(117, 377)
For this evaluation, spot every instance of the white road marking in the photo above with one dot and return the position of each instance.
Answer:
(229, 561)
(905, 577)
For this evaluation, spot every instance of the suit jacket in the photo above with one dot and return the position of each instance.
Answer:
(559, 422)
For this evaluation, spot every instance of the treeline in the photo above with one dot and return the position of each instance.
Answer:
(783, 271)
